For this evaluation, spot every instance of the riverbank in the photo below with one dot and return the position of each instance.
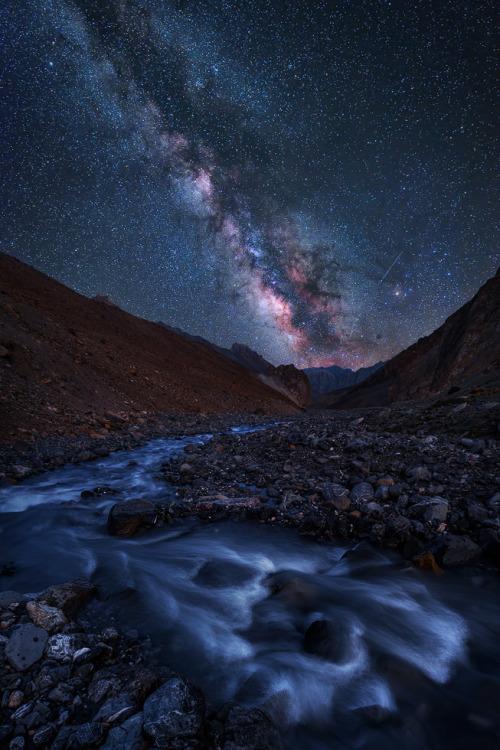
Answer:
(406, 478)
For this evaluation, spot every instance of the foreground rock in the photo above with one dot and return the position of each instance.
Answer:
(85, 688)
(127, 517)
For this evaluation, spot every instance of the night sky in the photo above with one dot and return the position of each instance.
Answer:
(312, 179)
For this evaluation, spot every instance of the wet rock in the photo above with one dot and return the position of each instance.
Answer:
(126, 518)
(15, 699)
(43, 616)
(10, 597)
(362, 493)
(176, 709)
(116, 710)
(223, 574)
(336, 496)
(127, 736)
(323, 638)
(85, 736)
(430, 509)
(426, 561)
(142, 685)
(477, 513)
(458, 550)
(62, 648)
(494, 500)
(375, 715)
(490, 543)
(44, 735)
(419, 472)
(70, 595)
(25, 646)
(248, 729)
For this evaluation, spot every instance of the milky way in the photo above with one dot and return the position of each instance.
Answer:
(314, 182)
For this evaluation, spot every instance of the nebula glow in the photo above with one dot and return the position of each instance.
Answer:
(313, 180)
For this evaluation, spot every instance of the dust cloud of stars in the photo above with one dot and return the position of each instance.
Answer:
(315, 180)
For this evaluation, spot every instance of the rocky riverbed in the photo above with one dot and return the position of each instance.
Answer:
(413, 480)
(434, 496)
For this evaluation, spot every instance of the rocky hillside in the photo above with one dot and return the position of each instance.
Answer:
(328, 379)
(67, 361)
(237, 353)
(466, 348)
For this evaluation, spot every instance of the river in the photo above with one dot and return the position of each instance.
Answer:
(412, 660)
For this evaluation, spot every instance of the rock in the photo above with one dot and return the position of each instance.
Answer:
(127, 736)
(292, 380)
(142, 685)
(426, 561)
(63, 647)
(419, 472)
(15, 699)
(10, 597)
(43, 616)
(126, 518)
(116, 710)
(44, 735)
(458, 550)
(430, 509)
(336, 495)
(323, 639)
(248, 729)
(494, 500)
(70, 595)
(85, 736)
(490, 543)
(176, 709)
(25, 646)
(362, 493)
(477, 513)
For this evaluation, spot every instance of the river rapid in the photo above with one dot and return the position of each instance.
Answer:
(409, 660)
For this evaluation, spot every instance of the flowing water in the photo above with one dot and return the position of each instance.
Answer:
(413, 661)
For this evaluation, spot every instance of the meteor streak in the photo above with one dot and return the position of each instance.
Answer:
(392, 264)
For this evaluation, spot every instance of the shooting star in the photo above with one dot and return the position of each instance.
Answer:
(392, 264)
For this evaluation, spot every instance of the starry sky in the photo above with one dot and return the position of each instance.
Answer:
(312, 179)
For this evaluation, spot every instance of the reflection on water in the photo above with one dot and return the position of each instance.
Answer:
(399, 659)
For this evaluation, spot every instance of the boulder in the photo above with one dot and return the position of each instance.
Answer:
(430, 509)
(68, 596)
(175, 710)
(127, 736)
(323, 639)
(126, 518)
(458, 550)
(49, 618)
(248, 729)
(26, 646)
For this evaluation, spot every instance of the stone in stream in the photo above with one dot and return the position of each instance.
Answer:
(175, 710)
(458, 550)
(248, 729)
(126, 518)
(10, 597)
(70, 595)
(25, 646)
(43, 616)
(323, 639)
